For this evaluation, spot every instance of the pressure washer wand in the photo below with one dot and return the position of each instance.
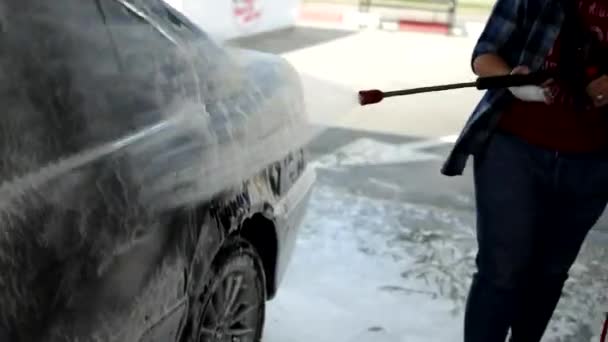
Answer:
(367, 97)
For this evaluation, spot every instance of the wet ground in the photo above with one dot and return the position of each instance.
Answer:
(369, 269)
(386, 251)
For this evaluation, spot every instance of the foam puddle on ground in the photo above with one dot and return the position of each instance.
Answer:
(374, 270)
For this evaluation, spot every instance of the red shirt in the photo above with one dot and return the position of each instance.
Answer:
(559, 126)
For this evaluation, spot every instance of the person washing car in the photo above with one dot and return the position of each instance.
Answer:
(540, 160)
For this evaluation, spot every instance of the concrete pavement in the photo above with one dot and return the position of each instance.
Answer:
(357, 60)
(395, 60)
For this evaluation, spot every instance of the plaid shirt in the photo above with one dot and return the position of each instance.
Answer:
(522, 32)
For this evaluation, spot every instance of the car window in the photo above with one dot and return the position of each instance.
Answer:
(180, 21)
(171, 18)
(188, 32)
(155, 66)
(212, 63)
(188, 62)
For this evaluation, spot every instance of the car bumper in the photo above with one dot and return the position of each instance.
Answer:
(291, 210)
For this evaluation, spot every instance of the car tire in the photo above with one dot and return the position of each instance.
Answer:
(232, 307)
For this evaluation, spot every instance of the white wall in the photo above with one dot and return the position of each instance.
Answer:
(177, 4)
(219, 18)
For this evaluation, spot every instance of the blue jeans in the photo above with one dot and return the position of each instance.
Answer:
(534, 210)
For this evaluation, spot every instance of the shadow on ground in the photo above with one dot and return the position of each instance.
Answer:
(290, 39)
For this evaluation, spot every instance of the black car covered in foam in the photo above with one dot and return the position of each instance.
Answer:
(151, 181)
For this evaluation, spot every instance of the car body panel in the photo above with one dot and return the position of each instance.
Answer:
(135, 146)
(290, 211)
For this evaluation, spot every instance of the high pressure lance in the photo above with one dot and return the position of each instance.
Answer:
(367, 97)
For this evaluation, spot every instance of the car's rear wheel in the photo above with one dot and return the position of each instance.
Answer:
(233, 304)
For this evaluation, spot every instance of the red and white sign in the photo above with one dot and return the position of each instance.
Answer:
(228, 19)
(247, 12)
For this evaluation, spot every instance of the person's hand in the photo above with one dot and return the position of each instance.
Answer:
(598, 91)
(531, 93)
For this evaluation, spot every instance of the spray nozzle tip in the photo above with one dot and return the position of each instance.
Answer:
(370, 96)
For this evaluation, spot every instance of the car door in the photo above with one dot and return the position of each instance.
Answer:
(156, 79)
